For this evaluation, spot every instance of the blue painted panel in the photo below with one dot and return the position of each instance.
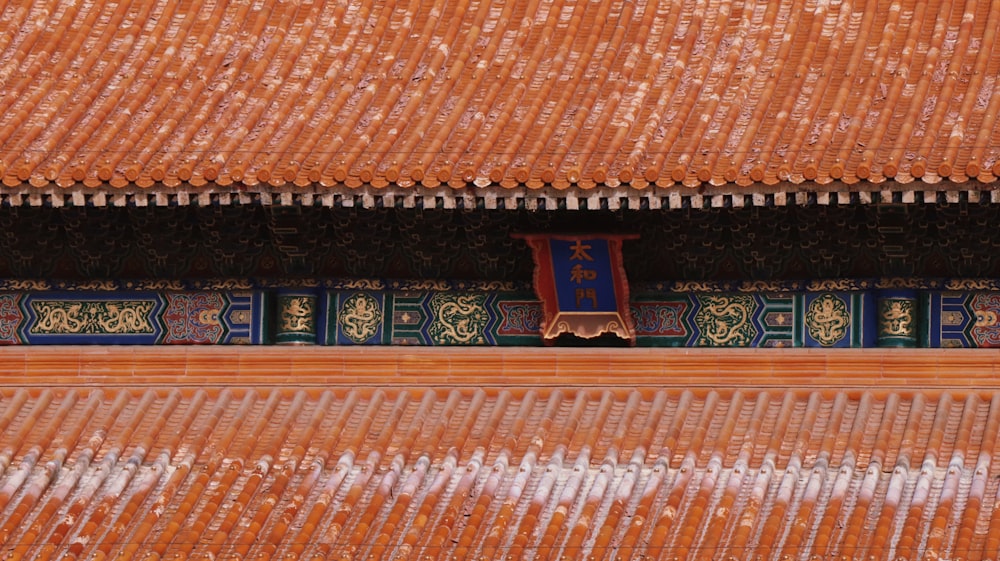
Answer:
(245, 318)
(98, 318)
(838, 320)
(360, 317)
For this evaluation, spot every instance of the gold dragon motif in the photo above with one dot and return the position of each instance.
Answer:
(828, 319)
(92, 317)
(360, 317)
(459, 319)
(725, 320)
(897, 318)
(297, 314)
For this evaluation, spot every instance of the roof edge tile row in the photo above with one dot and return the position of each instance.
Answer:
(545, 198)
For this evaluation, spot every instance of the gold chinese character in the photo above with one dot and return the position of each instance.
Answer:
(586, 294)
(580, 252)
(578, 274)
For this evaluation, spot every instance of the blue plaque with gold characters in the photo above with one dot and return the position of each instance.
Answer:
(581, 282)
(583, 275)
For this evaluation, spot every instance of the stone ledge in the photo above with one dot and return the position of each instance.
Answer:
(501, 367)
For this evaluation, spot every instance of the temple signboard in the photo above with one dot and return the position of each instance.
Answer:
(581, 282)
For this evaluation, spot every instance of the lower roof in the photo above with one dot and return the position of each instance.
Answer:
(278, 453)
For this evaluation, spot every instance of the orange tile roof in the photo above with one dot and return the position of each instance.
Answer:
(295, 468)
(282, 95)
(555, 473)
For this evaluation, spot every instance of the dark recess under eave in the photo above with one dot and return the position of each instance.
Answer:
(268, 242)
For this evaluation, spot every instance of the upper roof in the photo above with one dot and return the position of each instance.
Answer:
(341, 97)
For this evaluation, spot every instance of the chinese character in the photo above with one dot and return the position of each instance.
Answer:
(586, 294)
(580, 252)
(578, 274)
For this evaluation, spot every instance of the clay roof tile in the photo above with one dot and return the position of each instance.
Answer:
(536, 91)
